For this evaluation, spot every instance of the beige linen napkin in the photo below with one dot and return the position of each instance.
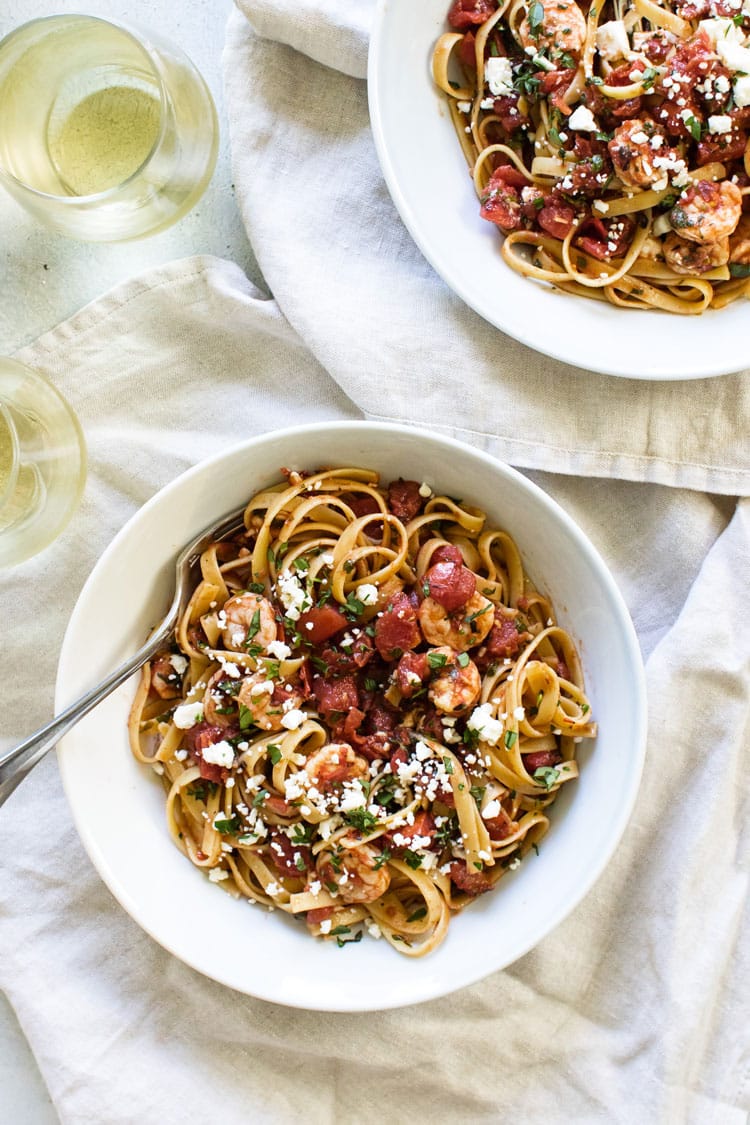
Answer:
(634, 1010)
(347, 275)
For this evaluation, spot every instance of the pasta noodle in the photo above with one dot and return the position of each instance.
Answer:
(367, 711)
(608, 138)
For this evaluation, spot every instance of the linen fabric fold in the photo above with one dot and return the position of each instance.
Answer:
(632, 1010)
(348, 277)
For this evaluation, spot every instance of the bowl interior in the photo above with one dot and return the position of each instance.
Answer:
(126, 595)
(437, 203)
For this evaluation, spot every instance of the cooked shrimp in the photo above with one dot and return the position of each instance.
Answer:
(166, 674)
(454, 687)
(707, 212)
(694, 257)
(334, 764)
(268, 701)
(250, 619)
(219, 706)
(739, 243)
(355, 873)
(461, 629)
(636, 161)
(563, 28)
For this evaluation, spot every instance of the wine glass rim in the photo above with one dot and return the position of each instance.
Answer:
(144, 46)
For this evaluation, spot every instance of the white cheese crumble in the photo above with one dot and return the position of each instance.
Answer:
(720, 123)
(367, 593)
(178, 662)
(490, 730)
(279, 650)
(742, 91)
(217, 875)
(293, 719)
(733, 55)
(187, 715)
(219, 754)
(464, 107)
(583, 120)
(325, 926)
(612, 40)
(293, 595)
(265, 686)
(180, 755)
(498, 74)
(491, 810)
(721, 30)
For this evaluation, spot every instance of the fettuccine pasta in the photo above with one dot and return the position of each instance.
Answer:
(367, 710)
(608, 142)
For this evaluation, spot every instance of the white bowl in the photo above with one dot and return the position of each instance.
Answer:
(426, 174)
(118, 805)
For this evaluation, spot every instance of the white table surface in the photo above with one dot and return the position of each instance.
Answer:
(45, 278)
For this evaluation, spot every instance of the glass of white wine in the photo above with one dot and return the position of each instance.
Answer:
(42, 462)
(106, 132)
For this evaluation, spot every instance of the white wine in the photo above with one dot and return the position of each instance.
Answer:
(105, 133)
(104, 139)
(42, 462)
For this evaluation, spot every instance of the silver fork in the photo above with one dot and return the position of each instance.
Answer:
(17, 762)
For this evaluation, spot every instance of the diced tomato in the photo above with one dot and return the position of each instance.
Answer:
(554, 84)
(470, 882)
(501, 202)
(325, 620)
(278, 806)
(358, 654)
(556, 217)
(424, 825)
(412, 671)
(467, 50)
(339, 695)
(404, 499)
(541, 758)
(470, 13)
(722, 147)
(450, 585)
(447, 553)
(499, 826)
(289, 858)
(397, 630)
(505, 639)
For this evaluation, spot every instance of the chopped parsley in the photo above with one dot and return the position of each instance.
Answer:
(418, 914)
(463, 659)
(448, 765)
(411, 859)
(259, 798)
(246, 717)
(274, 753)
(546, 776)
(227, 825)
(437, 659)
(384, 856)
(362, 819)
(510, 738)
(202, 790)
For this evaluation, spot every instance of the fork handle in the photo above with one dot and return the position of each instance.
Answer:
(17, 762)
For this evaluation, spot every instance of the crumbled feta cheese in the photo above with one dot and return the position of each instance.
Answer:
(293, 719)
(639, 137)
(187, 715)
(490, 730)
(314, 888)
(498, 74)
(265, 686)
(180, 755)
(279, 650)
(720, 123)
(367, 593)
(219, 754)
(464, 107)
(273, 889)
(583, 120)
(721, 30)
(374, 930)
(487, 103)
(733, 55)
(178, 662)
(422, 751)
(217, 875)
(325, 926)
(293, 595)
(742, 91)
(612, 40)
(491, 810)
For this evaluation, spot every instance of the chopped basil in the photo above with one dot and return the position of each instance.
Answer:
(362, 819)
(437, 659)
(546, 776)
(246, 717)
(354, 605)
(448, 765)
(340, 930)
(411, 859)
(254, 626)
(536, 16)
(227, 825)
(274, 753)
(510, 738)
(299, 863)
(257, 588)
(302, 565)
(259, 798)
(384, 856)
(418, 915)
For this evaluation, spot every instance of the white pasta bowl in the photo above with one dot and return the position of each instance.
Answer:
(118, 805)
(429, 182)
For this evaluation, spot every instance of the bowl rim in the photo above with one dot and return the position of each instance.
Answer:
(630, 642)
(609, 361)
